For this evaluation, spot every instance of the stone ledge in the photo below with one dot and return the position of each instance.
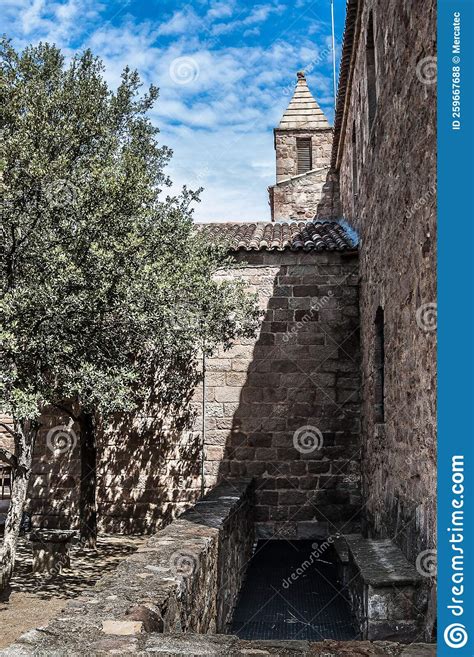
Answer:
(212, 645)
(385, 589)
(381, 562)
(185, 578)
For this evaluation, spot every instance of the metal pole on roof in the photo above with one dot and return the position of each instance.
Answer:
(333, 54)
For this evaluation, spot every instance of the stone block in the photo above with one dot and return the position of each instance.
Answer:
(214, 410)
(122, 627)
(401, 631)
(148, 615)
(392, 603)
(218, 364)
(228, 394)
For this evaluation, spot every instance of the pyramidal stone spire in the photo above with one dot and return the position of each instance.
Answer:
(303, 112)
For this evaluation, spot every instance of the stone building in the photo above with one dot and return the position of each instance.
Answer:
(282, 407)
(303, 141)
(384, 157)
(332, 407)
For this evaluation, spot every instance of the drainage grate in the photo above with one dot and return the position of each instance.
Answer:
(311, 605)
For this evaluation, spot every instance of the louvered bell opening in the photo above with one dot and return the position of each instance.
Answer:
(304, 155)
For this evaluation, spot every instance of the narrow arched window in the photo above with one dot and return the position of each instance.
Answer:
(355, 178)
(371, 72)
(379, 367)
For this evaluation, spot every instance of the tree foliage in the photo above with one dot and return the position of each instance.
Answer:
(108, 291)
(105, 281)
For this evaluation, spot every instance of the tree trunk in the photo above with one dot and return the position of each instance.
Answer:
(87, 494)
(25, 435)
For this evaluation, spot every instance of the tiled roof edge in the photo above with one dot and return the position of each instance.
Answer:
(350, 38)
(285, 235)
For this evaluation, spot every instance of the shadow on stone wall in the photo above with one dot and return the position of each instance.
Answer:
(295, 423)
(283, 408)
(329, 206)
(148, 471)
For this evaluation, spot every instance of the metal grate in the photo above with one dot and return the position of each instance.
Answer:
(309, 606)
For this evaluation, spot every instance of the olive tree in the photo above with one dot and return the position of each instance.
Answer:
(106, 285)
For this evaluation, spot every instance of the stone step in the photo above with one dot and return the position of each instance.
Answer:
(381, 562)
(385, 589)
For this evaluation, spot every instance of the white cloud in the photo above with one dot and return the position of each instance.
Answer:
(30, 21)
(181, 22)
(67, 11)
(254, 31)
(220, 10)
(261, 13)
(220, 123)
(31, 16)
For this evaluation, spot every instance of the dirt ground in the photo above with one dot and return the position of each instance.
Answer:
(35, 599)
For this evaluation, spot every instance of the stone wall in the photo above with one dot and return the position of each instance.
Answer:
(394, 209)
(298, 196)
(176, 591)
(287, 155)
(184, 579)
(148, 472)
(36, 644)
(55, 476)
(284, 408)
(301, 370)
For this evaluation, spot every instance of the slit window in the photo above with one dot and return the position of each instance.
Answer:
(379, 367)
(303, 147)
(371, 73)
(355, 182)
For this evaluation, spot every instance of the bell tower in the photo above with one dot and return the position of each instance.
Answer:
(303, 142)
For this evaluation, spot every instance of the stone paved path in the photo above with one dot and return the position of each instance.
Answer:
(34, 599)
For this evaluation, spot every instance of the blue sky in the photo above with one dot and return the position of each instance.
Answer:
(226, 71)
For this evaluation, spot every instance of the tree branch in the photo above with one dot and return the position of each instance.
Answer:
(11, 431)
(7, 457)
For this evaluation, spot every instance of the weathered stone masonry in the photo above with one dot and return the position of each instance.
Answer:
(302, 186)
(181, 586)
(148, 473)
(302, 371)
(394, 209)
(387, 174)
(260, 393)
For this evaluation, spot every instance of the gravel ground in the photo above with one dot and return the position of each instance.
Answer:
(34, 599)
